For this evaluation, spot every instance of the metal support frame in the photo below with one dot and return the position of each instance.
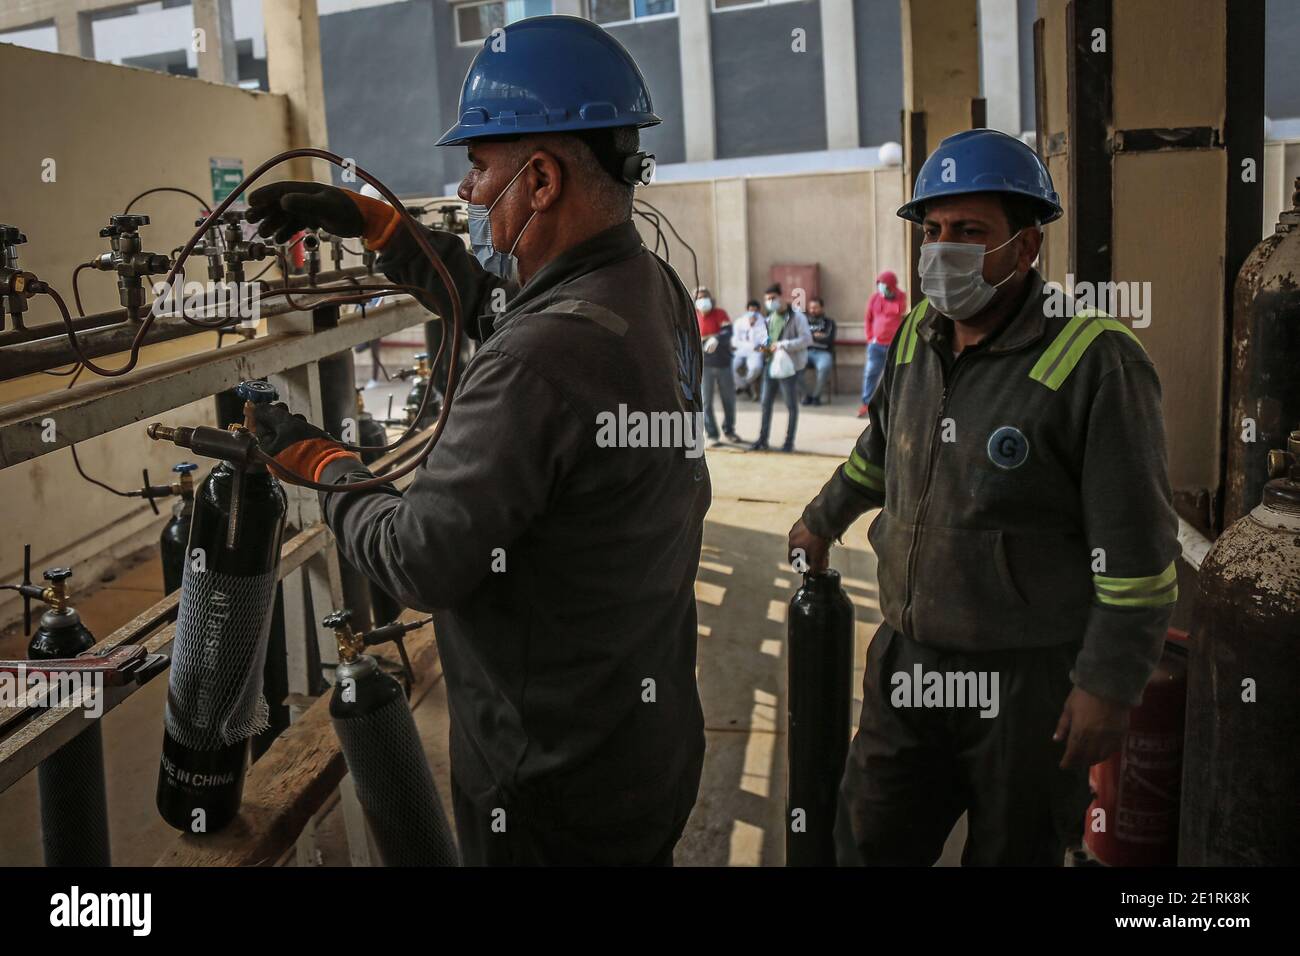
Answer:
(1088, 96)
(94, 408)
(309, 565)
(1243, 137)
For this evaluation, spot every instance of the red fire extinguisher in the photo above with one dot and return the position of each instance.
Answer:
(1133, 818)
(297, 257)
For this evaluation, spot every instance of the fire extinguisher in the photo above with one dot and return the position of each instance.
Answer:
(176, 533)
(820, 645)
(74, 804)
(383, 751)
(1133, 818)
(214, 694)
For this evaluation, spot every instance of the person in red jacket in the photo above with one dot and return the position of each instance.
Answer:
(885, 310)
(715, 336)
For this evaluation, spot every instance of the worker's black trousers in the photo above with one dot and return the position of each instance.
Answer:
(493, 830)
(913, 770)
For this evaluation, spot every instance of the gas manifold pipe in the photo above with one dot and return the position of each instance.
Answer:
(214, 691)
(74, 805)
(820, 647)
(383, 753)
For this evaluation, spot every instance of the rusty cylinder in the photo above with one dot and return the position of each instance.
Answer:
(1241, 765)
(1264, 389)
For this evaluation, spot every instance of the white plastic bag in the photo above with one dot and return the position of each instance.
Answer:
(782, 365)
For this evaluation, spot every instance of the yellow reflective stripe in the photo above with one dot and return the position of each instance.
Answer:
(907, 347)
(862, 472)
(1060, 358)
(1156, 590)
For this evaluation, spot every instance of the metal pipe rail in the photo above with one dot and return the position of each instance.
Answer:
(106, 338)
(103, 405)
(99, 320)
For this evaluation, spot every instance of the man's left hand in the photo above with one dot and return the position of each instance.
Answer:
(294, 442)
(1094, 727)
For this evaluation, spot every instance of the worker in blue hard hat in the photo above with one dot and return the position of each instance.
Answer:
(1025, 542)
(554, 538)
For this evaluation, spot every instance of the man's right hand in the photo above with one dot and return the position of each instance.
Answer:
(283, 209)
(808, 552)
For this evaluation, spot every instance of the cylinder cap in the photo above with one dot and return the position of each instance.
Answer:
(257, 391)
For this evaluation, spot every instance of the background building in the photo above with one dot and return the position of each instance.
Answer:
(393, 70)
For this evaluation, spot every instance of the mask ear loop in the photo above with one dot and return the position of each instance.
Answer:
(521, 232)
(1003, 246)
(521, 172)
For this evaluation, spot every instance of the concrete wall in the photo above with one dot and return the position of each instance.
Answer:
(740, 227)
(118, 132)
(1282, 66)
(768, 98)
(654, 46)
(877, 30)
(1027, 12)
(382, 93)
(452, 63)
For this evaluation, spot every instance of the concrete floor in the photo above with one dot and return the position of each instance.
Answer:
(743, 589)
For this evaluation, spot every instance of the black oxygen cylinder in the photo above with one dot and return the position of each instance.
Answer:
(370, 432)
(74, 803)
(214, 691)
(422, 382)
(175, 536)
(820, 645)
(389, 769)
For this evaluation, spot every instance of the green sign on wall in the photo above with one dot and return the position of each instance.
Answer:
(226, 175)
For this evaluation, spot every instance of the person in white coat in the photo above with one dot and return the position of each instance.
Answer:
(788, 338)
(748, 336)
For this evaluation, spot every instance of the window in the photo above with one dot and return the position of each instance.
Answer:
(607, 12)
(476, 21)
(739, 4)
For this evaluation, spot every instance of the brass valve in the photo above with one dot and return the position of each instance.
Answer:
(350, 643)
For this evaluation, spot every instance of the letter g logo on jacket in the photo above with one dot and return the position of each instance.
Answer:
(1008, 447)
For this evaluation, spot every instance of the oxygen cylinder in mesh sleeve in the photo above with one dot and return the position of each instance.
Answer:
(214, 692)
(386, 759)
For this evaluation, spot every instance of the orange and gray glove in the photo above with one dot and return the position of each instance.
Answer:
(284, 209)
(294, 442)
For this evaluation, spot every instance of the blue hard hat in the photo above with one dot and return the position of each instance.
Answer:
(550, 75)
(983, 161)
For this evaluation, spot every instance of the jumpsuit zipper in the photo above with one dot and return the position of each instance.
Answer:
(924, 503)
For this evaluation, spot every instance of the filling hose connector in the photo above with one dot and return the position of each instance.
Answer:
(236, 446)
(351, 644)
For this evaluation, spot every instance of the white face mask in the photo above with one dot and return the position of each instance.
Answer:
(503, 264)
(704, 305)
(952, 277)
